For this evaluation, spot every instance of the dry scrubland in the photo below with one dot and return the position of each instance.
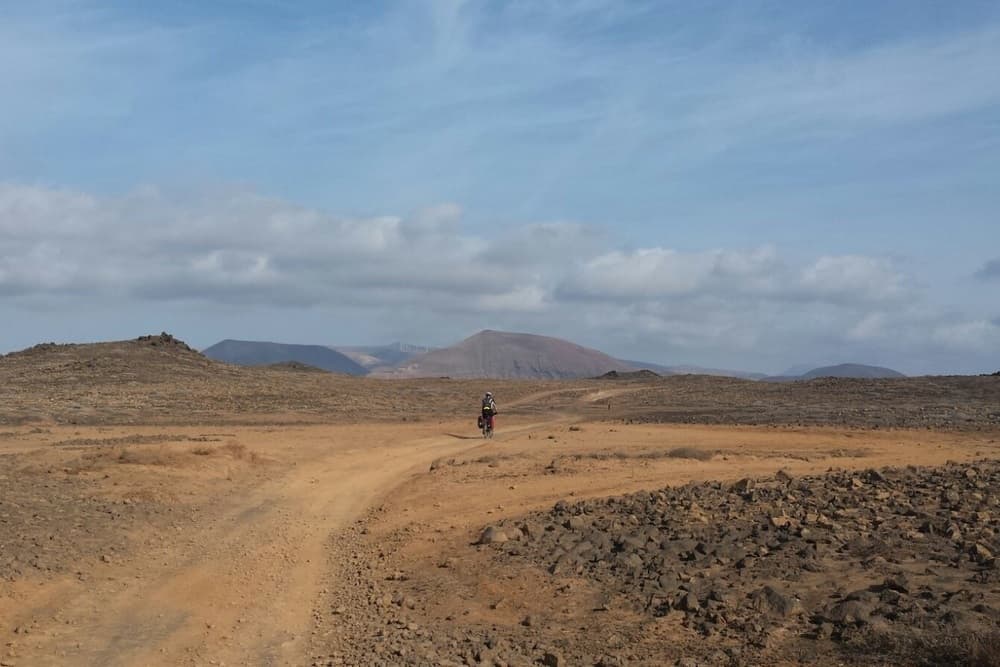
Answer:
(161, 508)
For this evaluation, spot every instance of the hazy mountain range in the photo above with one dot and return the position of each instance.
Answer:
(257, 353)
(493, 354)
(382, 356)
(839, 371)
(498, 354)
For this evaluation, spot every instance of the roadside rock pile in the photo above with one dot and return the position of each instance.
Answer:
(829, 557)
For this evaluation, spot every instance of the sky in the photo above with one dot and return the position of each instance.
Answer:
(748, 185)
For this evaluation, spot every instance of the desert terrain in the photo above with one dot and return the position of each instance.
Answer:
(160, 508)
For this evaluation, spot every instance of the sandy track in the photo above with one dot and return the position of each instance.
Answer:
(238, 584)
(245, 572)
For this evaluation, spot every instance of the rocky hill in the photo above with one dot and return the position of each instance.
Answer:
(259, 353)
(143, 359)
(840, 371)
(498, 354)
(159, 379)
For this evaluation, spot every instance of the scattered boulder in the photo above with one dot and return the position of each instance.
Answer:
(980, 553)
(492, 535)
(892, 527)
(772, 602)
(847, 612)
(553, 659)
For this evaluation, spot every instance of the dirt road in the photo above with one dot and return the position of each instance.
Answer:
(242, 569)
(237, 583)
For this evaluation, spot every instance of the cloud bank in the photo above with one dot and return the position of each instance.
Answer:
(242, 246)
(237, 248)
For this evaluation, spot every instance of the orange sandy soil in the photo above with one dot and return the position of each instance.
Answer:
(234, 554)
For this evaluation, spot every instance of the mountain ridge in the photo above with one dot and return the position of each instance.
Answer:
(266, 353)
(494, 354)
(507, 355)
(847, 370)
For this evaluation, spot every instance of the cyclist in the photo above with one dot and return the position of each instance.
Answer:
(489, 409)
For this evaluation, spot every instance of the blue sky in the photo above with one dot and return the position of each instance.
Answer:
(752, 185)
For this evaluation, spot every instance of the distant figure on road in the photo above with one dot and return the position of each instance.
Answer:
(489, 409)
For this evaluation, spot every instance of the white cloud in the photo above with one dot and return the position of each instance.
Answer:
(238, 244)
(968, 335)
(870, 327)
(241, 249)
(646, 273)
(64, 213)
(654, 273)
(852, 278)
(532, 298)
(234, 245)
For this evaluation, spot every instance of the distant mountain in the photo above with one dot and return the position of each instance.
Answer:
(720, 372)
(852, 371)
(796, 370)
(375, 356)
(694, 370)
(840, 371)
(498, 354)
(259, 353)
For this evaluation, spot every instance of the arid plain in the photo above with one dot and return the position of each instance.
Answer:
(160, 508)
